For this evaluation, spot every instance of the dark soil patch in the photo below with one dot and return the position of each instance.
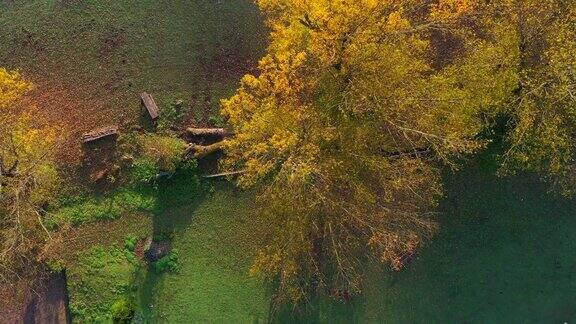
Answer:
(35, 301)
(141, 247)
(50, 303)
(158, 250)
(113, 40)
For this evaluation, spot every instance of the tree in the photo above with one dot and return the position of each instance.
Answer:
(28, 180)
(357, 106)
(543, 107)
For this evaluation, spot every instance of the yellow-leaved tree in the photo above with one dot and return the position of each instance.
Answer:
(28, 180)
(543, 107)
(357, 106)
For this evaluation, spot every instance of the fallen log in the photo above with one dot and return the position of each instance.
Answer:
(215, 132)
(200, 151)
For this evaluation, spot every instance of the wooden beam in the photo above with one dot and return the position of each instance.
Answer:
(224, 174)
(150, 105)
(99, 134)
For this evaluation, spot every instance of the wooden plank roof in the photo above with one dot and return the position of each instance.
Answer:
(99, 133)
(150, 105)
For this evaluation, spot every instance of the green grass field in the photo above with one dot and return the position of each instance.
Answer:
(216, 238)
(505, 252)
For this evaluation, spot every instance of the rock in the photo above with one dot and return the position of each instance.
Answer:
(158, 250)
(99, 175)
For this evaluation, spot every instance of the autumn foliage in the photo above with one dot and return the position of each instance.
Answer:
(359, 104)
(28, 180)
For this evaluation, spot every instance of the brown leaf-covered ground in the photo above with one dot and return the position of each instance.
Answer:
(90, 60)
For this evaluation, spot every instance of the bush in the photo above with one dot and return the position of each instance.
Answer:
(143, 170)
(165, 152)
(123, 310)
(168, 263)
(130, 243)
(102, 285)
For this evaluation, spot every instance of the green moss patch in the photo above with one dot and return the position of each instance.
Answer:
(101, 285)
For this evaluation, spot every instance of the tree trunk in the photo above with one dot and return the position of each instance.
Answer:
(200, 151)
(216, 132)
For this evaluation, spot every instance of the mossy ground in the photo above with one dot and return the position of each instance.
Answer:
(101, 277)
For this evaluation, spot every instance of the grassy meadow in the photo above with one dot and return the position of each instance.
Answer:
(505, 252)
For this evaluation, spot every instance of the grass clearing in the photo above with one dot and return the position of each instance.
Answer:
(216, 240)
(214, 231)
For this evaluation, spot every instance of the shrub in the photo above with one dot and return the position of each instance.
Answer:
(143, 170)
(168, 263)
(164, 151)
(130, 243)
(123, 310)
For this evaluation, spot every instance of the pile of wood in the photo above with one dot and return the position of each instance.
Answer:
(207, 141)
(201, 141)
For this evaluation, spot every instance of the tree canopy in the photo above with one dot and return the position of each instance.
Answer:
(359, 104)
(543, 105)
(28, 178)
